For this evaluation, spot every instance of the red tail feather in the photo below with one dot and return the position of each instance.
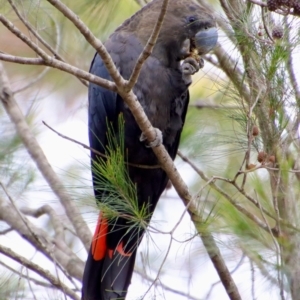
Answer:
(99, 245)
(120, 250)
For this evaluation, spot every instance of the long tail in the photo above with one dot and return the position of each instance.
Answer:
(108, 272)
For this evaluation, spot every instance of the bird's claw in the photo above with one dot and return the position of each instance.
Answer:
(201, 63)
(189, 67)
(156, 142)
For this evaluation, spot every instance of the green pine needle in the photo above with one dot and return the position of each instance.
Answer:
(118, 194)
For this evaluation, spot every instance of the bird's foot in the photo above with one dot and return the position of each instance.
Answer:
(156, 142)
(189, 67)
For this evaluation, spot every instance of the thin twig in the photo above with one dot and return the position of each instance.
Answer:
(92, 40)
(231, 69)
(52, 61)
(265, 24)
(34, 280)
(48, 210)
(290, 65)
(57, 225)
(96, 151)
(60, 66)
(40, 271)
(39, 38)
(148, 48)
(35, 236)
(205, 104)
(238, 206)
(21, 60)
(41, 161)
(252, 269)
(207, 296)
(250, 137)
(30, 286)
(57, 222)
(149, 132)
(33, 81)
(160, 268)
(277, 247)
(144, 275)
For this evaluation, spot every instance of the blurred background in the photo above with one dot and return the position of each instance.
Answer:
(250, 81)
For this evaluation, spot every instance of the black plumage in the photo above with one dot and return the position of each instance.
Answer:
(162, 90)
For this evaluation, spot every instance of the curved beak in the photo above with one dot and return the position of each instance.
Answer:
(206, 40)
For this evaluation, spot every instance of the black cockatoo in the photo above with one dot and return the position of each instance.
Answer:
(162, 90)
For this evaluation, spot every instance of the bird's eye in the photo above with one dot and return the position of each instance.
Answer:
(191, 19)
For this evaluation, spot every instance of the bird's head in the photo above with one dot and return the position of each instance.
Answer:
(187, 21)
(184, 20)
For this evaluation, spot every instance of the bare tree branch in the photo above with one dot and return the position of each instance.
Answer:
(37, 269)
(61, 66)
(34, 280)
(207, 296)
(59, 237)
(97, 152)
(237, 205)
(39, 38)
(55, 220)
(51, 61)
(92, 40)
(148, 48)
(41, 240)
(160, 151)
(41, 161)
(165, 287)
(22, 60)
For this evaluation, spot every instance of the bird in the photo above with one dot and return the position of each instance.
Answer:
(162, 89)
